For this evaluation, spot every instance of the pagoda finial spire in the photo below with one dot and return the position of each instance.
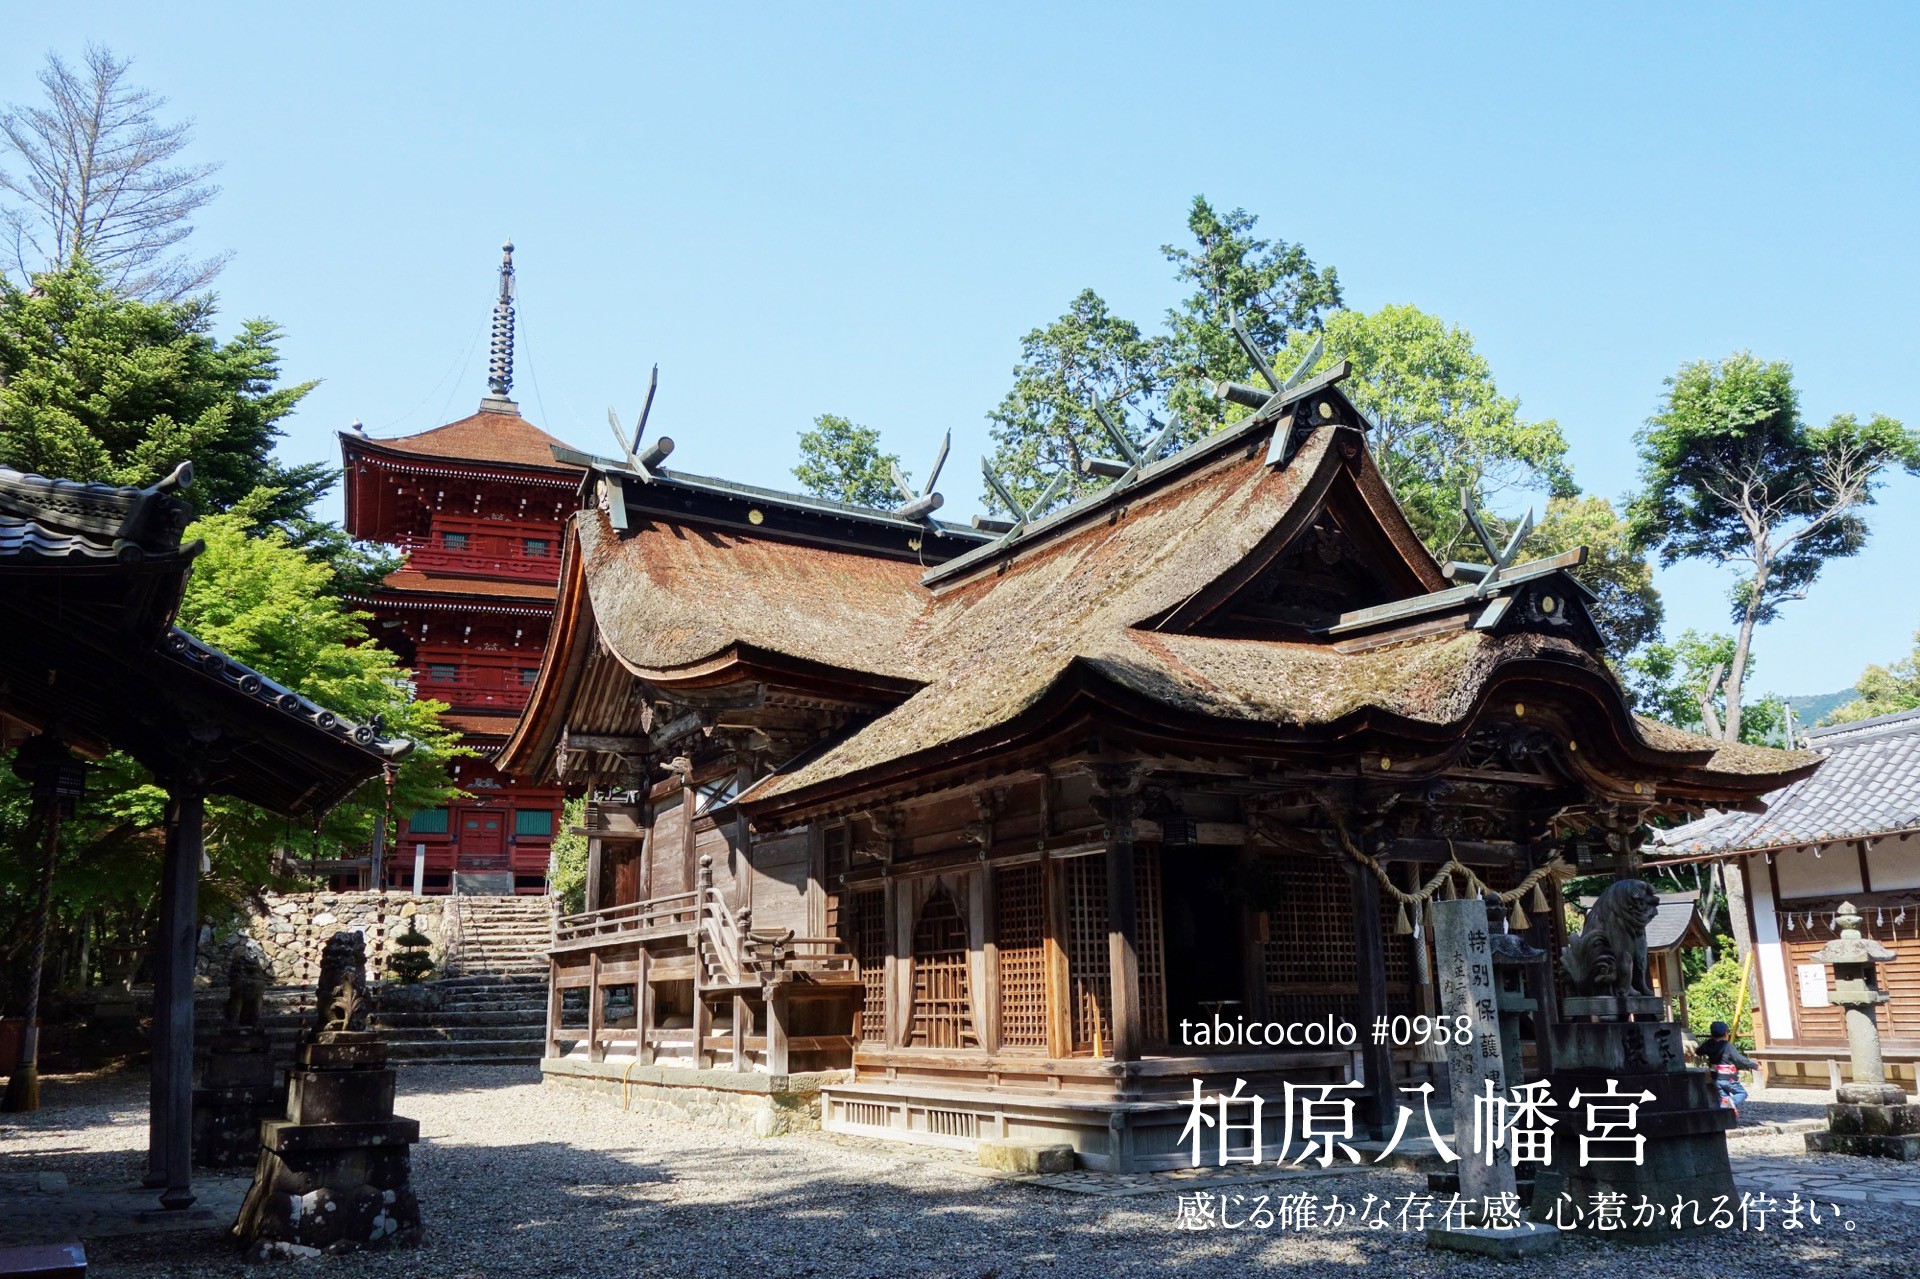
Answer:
(500, 350)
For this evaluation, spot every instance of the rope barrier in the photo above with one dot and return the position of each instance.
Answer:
(1442, 882)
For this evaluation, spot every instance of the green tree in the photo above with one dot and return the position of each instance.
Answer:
(1683, 682)
(1440, 424)
(1731, 474)
(842, 461)
(1273, 287)
(94, 386)
(266, 604)
(567, 859)
(1046, 425)
(1628, 608)
(1883, 690)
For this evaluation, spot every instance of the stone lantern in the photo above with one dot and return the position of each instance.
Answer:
(1869, 1116)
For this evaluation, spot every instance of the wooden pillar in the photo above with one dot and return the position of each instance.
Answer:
(644, 1011)
(554, 1005)
(988, 895)
(702, 1011)
(1376, 1105)
(778, 1021)
(171, 1096)
(1059, 978)
(39, 760)
(741, 1020)
(596, 1010)
(595, 897)
(899, 966)
(1117, 800)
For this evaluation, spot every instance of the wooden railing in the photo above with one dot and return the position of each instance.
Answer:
(728, 949)
(674, 911)
(484, 555)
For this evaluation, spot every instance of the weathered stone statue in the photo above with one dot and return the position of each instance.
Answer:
(239, 1086)
(333, 1175)
(1609, 957)
(248, 978)
(341, 1001)
(1614, 1042)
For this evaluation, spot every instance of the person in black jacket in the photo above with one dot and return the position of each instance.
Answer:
(1726, 1062)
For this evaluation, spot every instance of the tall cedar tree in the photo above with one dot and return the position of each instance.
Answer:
(1731, 474)
(842, 462)
(96, 386)
(91, 174)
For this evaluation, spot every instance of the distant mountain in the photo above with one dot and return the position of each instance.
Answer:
(1809, 710)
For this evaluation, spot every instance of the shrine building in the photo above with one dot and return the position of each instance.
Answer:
(941, 833)
(477, 507)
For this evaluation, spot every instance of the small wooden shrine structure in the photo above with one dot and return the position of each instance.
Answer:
(1849, 833)
(91, 577)
(967, 828)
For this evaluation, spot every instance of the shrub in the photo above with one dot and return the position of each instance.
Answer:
(411, 963)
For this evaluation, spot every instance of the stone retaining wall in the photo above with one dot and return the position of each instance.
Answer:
(292, 929)
(765, 1105)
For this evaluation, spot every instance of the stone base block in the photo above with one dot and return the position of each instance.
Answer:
(1529, 1239)
(1873, 1121)
(1871, 1095)
(1904, 1147)
(1025, 1156)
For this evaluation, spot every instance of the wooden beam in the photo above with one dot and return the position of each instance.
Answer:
(740, 1016)
(645, 1006)
(172, 1085)
(596, 1010)
(1123, 943)
(1376, 1104)
(554, 1006)
(779, 1042)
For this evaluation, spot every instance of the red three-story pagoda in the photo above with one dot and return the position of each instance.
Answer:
(476, 505)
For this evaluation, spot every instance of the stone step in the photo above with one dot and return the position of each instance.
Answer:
(440, 1049)
(460, 1019)
(462, 1034)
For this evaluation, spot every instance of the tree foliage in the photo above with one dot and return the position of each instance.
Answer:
(270, 606)
(1271, 285)
(1628, 610)
(842, 461)
(92, 174)
(1884, 690)
(1440, 424)
(1046, 425)
(1683, 682)
(1731, 474)
(96, 386)
(567, 858)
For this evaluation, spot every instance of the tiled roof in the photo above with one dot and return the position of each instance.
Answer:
(486, 436)
(1670, 923)
(1869, 785)
(412, 579)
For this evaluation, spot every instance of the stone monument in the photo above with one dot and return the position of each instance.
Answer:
(1869, 1116)
(333, 1175)
(1632, 1118)
(239, 1086)
(1467, 944)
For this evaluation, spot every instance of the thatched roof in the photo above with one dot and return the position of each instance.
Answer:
(1121, 597)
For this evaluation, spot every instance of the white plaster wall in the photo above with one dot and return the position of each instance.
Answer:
(1776, 989)
(1894, 863)
(1812, 873)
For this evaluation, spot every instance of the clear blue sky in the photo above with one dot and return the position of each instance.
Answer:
(860, 210)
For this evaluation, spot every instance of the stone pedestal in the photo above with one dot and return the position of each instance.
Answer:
(239, 1089)
(1876, 1120)
(333, 1174)
(1684, 1151)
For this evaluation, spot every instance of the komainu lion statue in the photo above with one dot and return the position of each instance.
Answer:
(341, 1002)
(1609, 957)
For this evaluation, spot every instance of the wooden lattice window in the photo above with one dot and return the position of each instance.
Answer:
(942, 1002)
(1020, 932)
(1153, 961)
(1089, 962)
(866, 937)
(834, 844)
(1309, 951)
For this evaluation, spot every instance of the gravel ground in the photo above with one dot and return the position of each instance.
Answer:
(523, 1180)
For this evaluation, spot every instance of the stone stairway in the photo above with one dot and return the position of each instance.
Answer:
(489, 1008)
